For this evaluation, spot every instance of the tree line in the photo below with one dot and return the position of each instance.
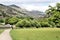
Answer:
(52, 19)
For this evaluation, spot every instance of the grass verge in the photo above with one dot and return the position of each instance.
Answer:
(36, 34)
(1, 30)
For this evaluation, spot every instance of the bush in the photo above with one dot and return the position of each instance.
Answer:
(52, 24)
(58, 25)
(12, 20)
(44, 24)
(38, 25)
(28, 23)
(20, 24)
(6, 20)
(35, 23)
(1, 20)
(23, 23)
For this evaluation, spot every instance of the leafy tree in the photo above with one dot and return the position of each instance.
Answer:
(44, 24)
(12, 20)
(58, 7)
(20, 24)
(28, 23)
(50, 11)
(6, 20)
(1, 20)
(55, 15)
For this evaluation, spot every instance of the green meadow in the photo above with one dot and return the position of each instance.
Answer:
(36, 34)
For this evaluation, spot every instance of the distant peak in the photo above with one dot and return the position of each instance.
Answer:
(13, 5)
(2, 5)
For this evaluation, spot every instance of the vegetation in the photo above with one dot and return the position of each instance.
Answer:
(1, 30)
(1, 20)
(36, 34)
(52, 19)
(11, 20)
(54, 14)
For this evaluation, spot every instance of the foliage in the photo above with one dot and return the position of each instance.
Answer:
(1, 20)
(13, 20)
(54, 15)
(23, 23)
(6, 20)
(20, 24)
(45, 24)
(35, 23)
(28, 23)
(52, 20)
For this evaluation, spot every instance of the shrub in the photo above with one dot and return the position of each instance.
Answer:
(20, 24)
(58, 25)
(23, 23)
(52, 24)
(6, 20)
(1, 20)
(35, 23)
(28, 23)
(13, 20)
(38, 25)
(44, 24)
(32, 23)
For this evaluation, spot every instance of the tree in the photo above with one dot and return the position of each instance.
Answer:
(6, 20)
(50, 11)
(58, 7)
(1, 20)
(55, 14)
(11, 20)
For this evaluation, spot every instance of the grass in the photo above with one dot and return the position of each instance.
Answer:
(1, 30)
(36, 34)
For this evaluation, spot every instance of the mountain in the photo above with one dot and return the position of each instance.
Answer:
(36, 14)
(13, 10)
(14, 6)
(9, 11)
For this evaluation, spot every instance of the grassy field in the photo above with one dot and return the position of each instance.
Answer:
(36, 34)
(1, 30)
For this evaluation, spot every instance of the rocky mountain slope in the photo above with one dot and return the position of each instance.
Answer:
(13, 10)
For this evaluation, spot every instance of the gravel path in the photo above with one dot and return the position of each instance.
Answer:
(5, 35)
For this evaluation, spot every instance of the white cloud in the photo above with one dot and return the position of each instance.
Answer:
(29, 0)
(53, 4)
(32, 7)
(25, 0)
(41, 5)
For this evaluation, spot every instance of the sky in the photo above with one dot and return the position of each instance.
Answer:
(40, 5)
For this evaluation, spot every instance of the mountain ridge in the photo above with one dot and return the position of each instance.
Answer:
(14, 10)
